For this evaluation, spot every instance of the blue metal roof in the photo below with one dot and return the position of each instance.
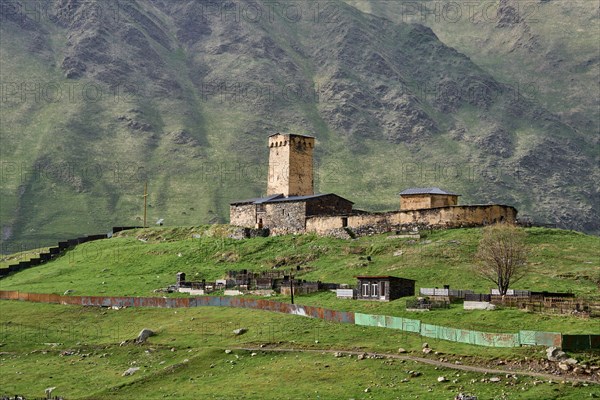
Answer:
(431, 190)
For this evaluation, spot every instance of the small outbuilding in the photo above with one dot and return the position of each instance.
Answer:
(384, 288)
(424, 198)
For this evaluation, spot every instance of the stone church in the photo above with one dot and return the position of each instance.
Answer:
(291, 206)
(290, 196)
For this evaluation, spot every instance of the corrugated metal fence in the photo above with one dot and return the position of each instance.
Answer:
(533, 338)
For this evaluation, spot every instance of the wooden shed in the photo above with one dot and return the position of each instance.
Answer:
(384, 288)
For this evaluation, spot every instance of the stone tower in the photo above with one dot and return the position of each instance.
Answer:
(290, 165)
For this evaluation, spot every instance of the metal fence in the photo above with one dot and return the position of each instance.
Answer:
(533, 338)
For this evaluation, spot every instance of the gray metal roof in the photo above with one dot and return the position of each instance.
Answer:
(257, 200)
(301, 198)
(431, 190)
(293, 134)
(279, 198)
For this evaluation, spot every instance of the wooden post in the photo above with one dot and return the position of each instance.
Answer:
(292, 286)
(145, 201)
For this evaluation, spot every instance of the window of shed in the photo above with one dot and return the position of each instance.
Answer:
(374, 290)
(365, 289)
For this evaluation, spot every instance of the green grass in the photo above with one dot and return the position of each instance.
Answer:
(135, 263)
(35, 335)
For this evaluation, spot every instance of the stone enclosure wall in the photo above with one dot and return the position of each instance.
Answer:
(434, 218)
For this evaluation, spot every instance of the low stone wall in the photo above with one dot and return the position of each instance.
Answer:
(478, 305)
(434, 218)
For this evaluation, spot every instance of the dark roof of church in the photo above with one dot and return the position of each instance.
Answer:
(280, 198)
(431, 190)
(294, 134)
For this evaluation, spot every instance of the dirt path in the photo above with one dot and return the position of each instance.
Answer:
(461, 367)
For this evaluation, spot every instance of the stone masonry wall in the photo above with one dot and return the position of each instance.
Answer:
(285, 217)
(434, 218)
(243, 215)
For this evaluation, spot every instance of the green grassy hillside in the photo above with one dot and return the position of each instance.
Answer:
(77, 351)
(135, 263)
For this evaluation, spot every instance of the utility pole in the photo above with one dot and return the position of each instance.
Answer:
(145, 201)
(292, 285)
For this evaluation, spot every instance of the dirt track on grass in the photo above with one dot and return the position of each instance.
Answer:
(594, 379)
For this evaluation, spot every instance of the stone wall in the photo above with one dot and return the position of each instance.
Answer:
(415, 202)
(243, 215)
(434, 218)
(423, 201)
(284, 218)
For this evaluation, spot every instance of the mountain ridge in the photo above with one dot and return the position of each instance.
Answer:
(189, 96)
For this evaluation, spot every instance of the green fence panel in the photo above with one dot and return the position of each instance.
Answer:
(411, 325)
(535, 338)
(506, 340)
(362, 319)
(527, 338)
(369, 320)
(463, 336)
(483, 338)
(428, 330)
(393, 322)
(447, 333)
(548, 339)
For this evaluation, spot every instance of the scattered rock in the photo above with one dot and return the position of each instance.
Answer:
(402, 350)
(228, 351)
(462, 396)
(442, 379)
(144, 335)
(362, 356)
(367, 390)
(253, 355)
(427, 350)
(555, 354)
(337, 354)
(68, 291)
(425, 345)
(240, 331)
(494, 379)
(570, 361)
(131, 371)
(563, 366)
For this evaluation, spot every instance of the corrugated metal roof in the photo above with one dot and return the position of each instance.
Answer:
(431, 190)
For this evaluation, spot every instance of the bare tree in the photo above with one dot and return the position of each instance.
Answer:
(502, 255)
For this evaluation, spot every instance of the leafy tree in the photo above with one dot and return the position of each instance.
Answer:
(502, 255)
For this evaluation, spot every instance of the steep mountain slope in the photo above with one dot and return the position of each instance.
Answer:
(99, 97)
